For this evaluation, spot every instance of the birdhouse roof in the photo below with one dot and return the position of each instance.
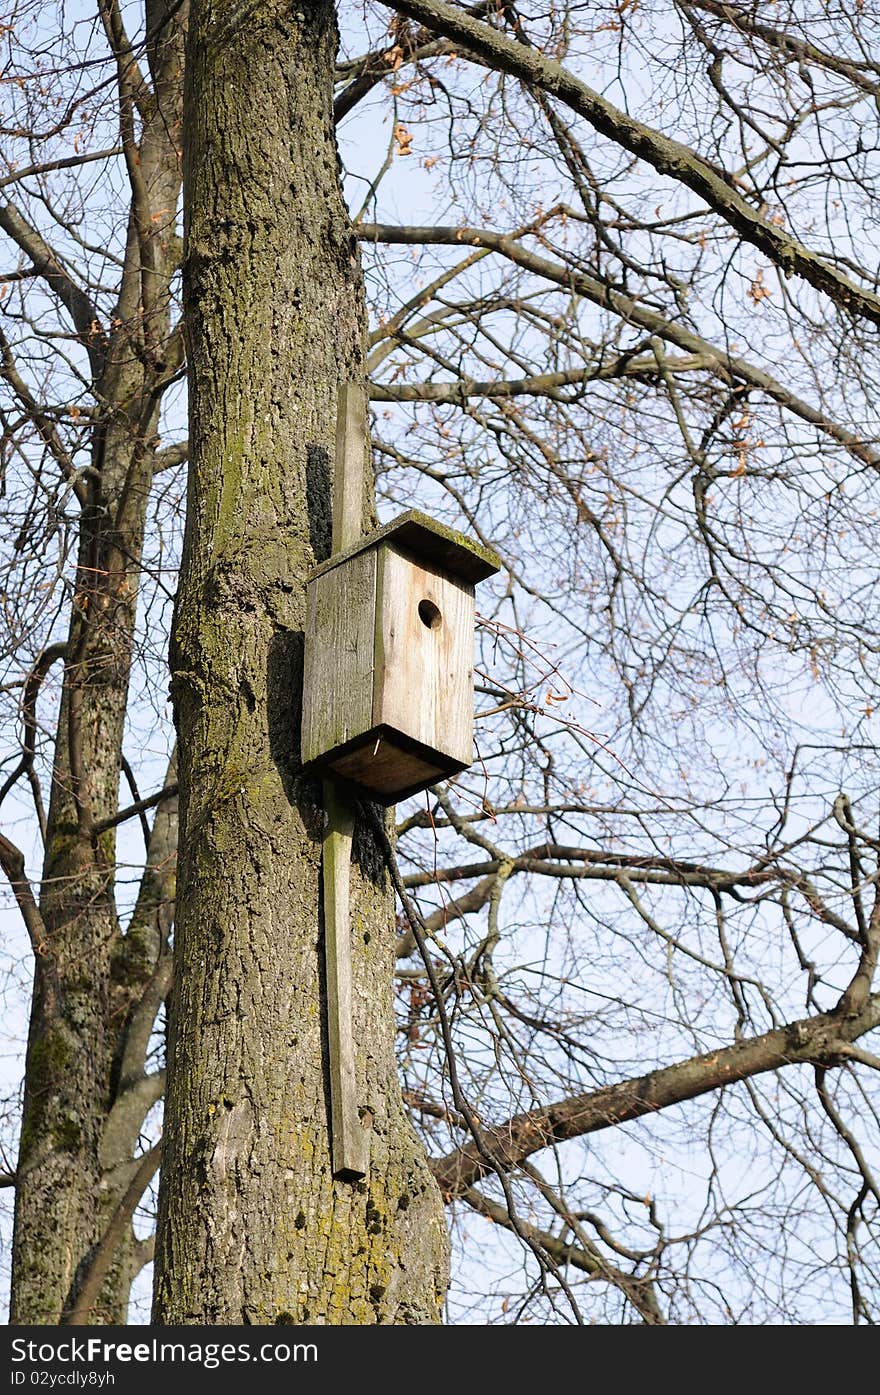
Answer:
(428, 541)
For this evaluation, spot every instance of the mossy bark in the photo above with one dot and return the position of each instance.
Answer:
(252, 1226)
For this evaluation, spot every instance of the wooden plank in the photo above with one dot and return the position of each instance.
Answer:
(348, 471)
(348, 1143)
(349, 1139)
(423, 669)
(338, 669)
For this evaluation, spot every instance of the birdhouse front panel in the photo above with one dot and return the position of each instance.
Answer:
(423, 684)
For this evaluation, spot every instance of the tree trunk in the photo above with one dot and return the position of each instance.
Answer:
(252, 1226)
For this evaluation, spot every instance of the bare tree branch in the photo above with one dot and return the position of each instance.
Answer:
(726, 365)
(638, 1291)
(12, 862)
(813, 1040)
(669, 157)
(80, 308)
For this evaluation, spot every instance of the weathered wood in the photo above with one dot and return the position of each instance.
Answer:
(338, 683)
(423, 668)
(388, 702)
(381, 764)
(348, 473)
(349, 1139)
(338, 672)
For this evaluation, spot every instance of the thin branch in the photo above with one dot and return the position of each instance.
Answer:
(12, 862)
(136, 796)
(799, 50)
(559, 860)
(858, 1053)
(846, 1134)
(539, 385)
(170, 456)
(74, 299)
(591, 1262)
(34, 680)
(69, 162)
(101, 825)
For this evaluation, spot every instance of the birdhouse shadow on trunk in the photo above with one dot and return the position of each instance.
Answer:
(284, 668)
(284, 676)
(365, 851)
(319, 501)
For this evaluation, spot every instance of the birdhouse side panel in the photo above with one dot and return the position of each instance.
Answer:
(338, 666)
(423, 673)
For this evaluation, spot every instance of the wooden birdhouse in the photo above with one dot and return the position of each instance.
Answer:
(388, 683)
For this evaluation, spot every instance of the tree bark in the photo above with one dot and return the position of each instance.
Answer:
(252, 1226)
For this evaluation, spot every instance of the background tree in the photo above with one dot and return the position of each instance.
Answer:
(634, 351)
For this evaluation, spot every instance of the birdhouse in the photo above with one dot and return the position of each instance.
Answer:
(388, 682)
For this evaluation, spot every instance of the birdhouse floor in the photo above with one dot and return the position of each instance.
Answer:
(387, 766)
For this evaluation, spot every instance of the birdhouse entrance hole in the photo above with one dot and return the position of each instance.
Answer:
(429, 614)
